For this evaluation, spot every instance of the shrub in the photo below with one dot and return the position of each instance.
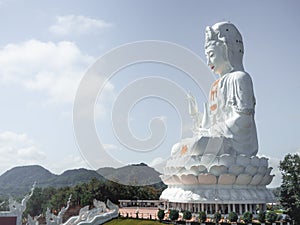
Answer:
(187, 215)
(174, 214)
(271, 217)
(217, 217)
(262, 216)
(233, 217)
(161, 214)
(202, 217)
(247, 217)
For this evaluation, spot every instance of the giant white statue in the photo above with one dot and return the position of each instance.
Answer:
(228, 120)
(219, 162)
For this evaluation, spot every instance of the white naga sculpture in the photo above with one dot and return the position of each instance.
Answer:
(96, 216)
(34, 220)
(16, 209)
(15, 206)
(100, 214)
(52, 219)
(222, 151)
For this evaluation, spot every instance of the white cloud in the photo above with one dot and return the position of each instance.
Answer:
(109, 147)
(46, 66)
(158, 164)
(74, 25)
(55, 68)
(104, 103)
(68, 162)
(18, 149)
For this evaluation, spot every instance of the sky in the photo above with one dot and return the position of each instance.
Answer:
(47, 48)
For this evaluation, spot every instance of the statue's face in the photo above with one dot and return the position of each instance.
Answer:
(217, 59)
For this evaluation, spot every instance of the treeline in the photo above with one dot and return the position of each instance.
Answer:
(84, 193)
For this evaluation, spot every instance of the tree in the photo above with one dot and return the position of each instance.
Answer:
(247, 217)
(202, 217)
(161, 214)
(34, 204)
(271, 216)
(233, 217)
(290, 187)
(262, 216)
(217, 217)
(174, 214)
(187, 215)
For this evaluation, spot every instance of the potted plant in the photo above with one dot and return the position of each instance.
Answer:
(217, 217)
(262, 217)
(247, 217)
(233, 217)
(202, 217)
(187, 215)
(174, 215)
(161, 215)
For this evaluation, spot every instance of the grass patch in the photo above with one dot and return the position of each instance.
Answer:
(132, 222)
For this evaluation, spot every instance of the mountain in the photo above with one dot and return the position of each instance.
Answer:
(19, 180)
(135, 174)
(73, 177)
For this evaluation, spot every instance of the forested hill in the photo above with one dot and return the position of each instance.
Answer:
(135, 174)
(19, 180)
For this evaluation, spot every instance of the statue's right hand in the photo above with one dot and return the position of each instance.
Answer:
(205, 119)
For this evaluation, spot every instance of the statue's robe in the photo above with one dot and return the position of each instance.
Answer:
(232, 127)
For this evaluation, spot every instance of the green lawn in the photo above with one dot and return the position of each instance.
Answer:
(132, 222)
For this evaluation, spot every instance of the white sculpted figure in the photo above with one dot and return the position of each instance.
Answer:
(20, 207)
(219, 162)
(64, 210)
(33, 220)
(16, 209)
(194, 112)
(52, 219)
(227, 125)
(98, 215)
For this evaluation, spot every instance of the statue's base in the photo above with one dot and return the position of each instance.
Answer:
(217, 198)
(217, 194)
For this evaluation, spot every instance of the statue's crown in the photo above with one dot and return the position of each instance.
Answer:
(227, 33)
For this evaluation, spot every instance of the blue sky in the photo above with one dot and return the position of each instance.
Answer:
(47, 46)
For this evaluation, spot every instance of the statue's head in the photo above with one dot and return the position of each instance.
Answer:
(224, 48)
